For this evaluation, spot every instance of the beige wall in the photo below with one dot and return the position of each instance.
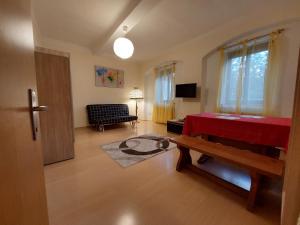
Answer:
(192, 56)
(84, 91)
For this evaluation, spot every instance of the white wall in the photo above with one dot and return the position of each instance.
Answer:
(290, 57)
(149, 92)
(84, 91)
(193, 54)
(210, 76)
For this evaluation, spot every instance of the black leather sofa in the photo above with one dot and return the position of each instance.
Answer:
(107, 114)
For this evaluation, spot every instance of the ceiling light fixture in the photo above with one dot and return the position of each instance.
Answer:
(123, 47)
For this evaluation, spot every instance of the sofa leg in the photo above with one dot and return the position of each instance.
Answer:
(133, 124)
(100, 127)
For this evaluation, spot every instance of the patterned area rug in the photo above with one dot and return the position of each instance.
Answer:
(137, 149)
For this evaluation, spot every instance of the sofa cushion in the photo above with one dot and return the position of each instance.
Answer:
(118, 119)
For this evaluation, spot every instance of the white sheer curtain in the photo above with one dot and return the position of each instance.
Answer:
(249, 78)
(164, 89)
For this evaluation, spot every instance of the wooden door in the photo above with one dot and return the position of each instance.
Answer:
(291, 190)
(22, 185)
(54, 88)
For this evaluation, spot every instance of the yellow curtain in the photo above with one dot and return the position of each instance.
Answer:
(163, 107)
(163, 113)
(272, 78)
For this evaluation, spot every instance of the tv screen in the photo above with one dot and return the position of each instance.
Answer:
(186, 90)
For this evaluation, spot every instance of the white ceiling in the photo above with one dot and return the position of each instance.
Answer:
(78, 21)
(159, 27)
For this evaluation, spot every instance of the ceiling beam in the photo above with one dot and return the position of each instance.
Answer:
(131, 17)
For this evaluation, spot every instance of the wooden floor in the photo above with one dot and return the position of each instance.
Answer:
(92, 189)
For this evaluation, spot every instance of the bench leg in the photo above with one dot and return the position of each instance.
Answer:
(255, 180)
(184, 158)
(204, 158)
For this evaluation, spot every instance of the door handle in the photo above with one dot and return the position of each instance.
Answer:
(40, 108)
(34, 110)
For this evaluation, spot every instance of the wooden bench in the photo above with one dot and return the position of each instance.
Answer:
(256, 164)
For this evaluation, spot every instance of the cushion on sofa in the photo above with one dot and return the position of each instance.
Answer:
(119, 119)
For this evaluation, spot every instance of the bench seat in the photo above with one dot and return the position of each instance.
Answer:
(256, 164)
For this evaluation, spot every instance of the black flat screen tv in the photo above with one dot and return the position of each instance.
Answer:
(186, 90)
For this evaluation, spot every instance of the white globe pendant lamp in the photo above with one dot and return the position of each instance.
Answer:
(123, 47)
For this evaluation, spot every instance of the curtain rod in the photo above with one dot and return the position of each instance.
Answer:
(166, 64)
(251, 39)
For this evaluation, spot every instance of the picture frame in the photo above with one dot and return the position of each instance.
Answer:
(109, 77)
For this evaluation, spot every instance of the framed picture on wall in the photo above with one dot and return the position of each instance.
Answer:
(108, 77)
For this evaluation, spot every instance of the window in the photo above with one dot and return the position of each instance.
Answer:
(164, 89)
(243, 79)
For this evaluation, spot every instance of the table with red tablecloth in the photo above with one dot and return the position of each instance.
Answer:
(259, 130)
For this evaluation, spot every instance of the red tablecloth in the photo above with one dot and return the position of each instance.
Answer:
(270, 131)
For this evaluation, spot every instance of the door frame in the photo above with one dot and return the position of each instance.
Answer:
(291, 189)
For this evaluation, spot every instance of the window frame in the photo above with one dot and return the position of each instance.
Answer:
(227, 103)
